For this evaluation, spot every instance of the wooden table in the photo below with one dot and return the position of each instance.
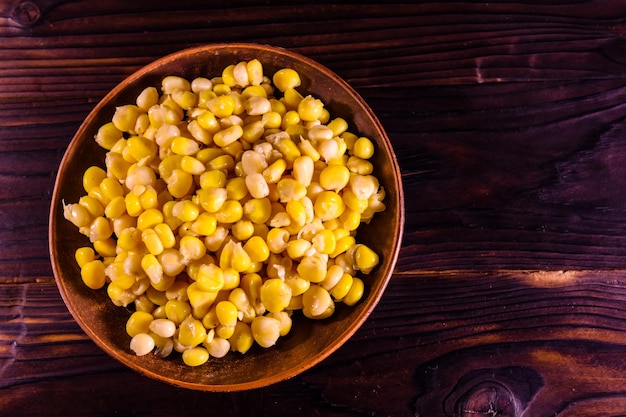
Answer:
(509, 124)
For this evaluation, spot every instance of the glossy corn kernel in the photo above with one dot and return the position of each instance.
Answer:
(258, 210)
(363, 148)
(210, 277)
(195, 356)
(191, 332)
(84, 255)
(275, 295)
(92, 274)
(356, 292)
(286, 78)
(317, 303)
(106, 248)
(313, 268)
(365, 258)
(265, 330)
(241, 340)
(138, 322)
(142, 344)
(328, 205)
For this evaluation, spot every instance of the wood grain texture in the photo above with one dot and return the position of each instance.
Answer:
(508, 120)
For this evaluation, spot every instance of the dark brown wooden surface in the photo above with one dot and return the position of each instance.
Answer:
(509, 123)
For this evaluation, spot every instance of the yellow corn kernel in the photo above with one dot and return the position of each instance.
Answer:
(363, 148)
(226, 313)
(174, 82)
(334, 177)
(310, 108)
(341, 289)
(210, 277)
(205, 224)
(156, 296)
(213, 179)
(297, 284)
(92, 274)
(227, 136)
(296, 303)
(139, 149)
(254, 70)
(105, 248)
(124, 222)
(277, 239)
(125, 117)
(195, 356)
(350, 219)
(290, 189)
(116, 273)
(274, 172)
(138, 322)
(153, 243)
(165, 235)
(201, 301)
(313, 268)
(230, 212)
(328, 205)
(265, 330)
(291, 118)
(365, 258)
(275, 295)
(93, 206)
(317, 303)
(211, 199)
(184, 146)
(272, 119)
(324, 241)
(191, 332)
(100, 229)
(115, 208)
(338, 126)
(364, 186)
(253, 131)
(257, 105)
(257, 249)
(92, 177)
(342, 245)
(258, 210)
(177, 311)
(186, 210)
(180, 183)
(149, 218)
(353, 202)
(241, 340)
(356, 292)
(184, 98)
(288, 149)
(192, 165)
(285, 79)
(77, 214)
(84, 255)
(333, 276)
(297, 248)
(236, 188)
(108, 135)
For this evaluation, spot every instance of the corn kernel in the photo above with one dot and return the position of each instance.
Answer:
(265, 330)
(241, 340)
(313, 268)
(142, 344)
(92, 274)
(275, 295)
(317, 303)
(195, 356)
(365, 258)
(258, 210)
(138, 322)
(363, 148)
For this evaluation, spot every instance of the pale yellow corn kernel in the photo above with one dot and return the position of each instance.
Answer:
(105, 248)
(290, 189)
(116, 273)
(253, 131)
(324, 241)
(116, 165)
(156, 296)
(363, 148)
(92, 274)
(162, 327)
(364, 186)
(256, 185)
(195, 356)
(356, 292)
(151, 240)
(285, 321)
(215, 241)
(174, 82)
(317, 303)
(177, 311)
(191, 248)
(211, 199)
(258, 210)
(77, 214)
(186, 210)
(333, 276)
(272, 120)
(227, 136)
(298, 248)
(138, 175)
(217, 347)
(172, 262)
(253, 162)
(199, 84)
(199, 133)
(334, 177)
(303, 168)
(142, 344)
(240, 299)
(274, 172)
(313, 268)
(346, 262)
(125, 117)
(141, 149)
(230, 212)
(226, 313)
(138, 322)
(254, 70)
(191, 332)
(265, 331)
(353, 202)
(257, 249)
(143, 303)
(84, 255)
(205, 224)
(179, 183)
(184, 98)
(92, 177)
(288, 149)
(119, 296)
(100, 229)
(149, 218)
(365, 258)
(148, 97)
(93, 206)
(319, 133)
(184, 146)
(165, 235)
(341, 289)
(328, 205)
(277, 239)
(275, 294)
(285, 79)
(241, 340)
(257, 105)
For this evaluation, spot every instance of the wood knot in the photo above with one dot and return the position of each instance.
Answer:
(26, 13)
(488, 399)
